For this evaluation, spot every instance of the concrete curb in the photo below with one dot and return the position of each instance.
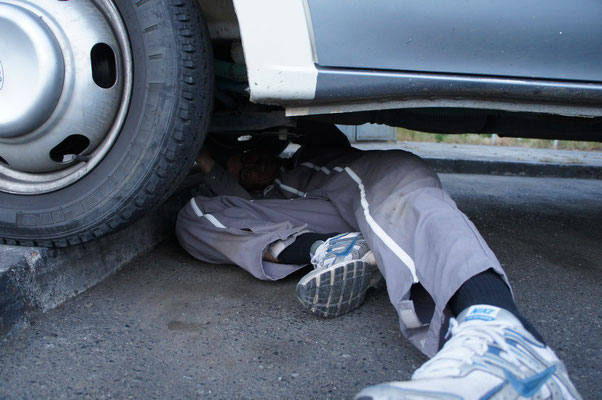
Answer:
(37, 279)
(484, 167)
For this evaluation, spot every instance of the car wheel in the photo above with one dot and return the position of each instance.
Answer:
(107, 104)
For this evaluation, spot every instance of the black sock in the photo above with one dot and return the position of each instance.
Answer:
(298, 251)
(489, 288)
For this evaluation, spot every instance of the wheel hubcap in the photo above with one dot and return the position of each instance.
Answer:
(65, 78)
(35, 71)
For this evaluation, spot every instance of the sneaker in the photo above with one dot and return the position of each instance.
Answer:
(489, 356)
(344, 270)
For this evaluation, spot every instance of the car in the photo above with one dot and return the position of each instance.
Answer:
(105, 103)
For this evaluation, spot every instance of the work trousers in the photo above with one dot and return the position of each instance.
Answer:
(417, 234)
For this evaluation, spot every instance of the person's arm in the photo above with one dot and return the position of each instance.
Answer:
(217, 179)
(205, 161)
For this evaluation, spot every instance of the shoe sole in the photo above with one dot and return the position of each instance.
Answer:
(336, 290)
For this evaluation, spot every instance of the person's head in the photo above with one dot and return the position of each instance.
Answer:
(254, 169)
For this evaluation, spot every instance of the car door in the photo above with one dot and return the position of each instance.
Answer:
(540, 39)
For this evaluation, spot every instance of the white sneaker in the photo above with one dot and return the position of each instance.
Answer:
(489, 356)
(344, 271)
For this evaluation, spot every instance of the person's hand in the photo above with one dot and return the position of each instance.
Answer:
(204, 161)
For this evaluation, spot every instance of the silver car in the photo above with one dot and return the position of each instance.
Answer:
(105, 103)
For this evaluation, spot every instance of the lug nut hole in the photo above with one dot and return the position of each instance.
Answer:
(69, 149)
(104, 67)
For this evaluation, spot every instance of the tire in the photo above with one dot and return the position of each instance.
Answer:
(165, 126)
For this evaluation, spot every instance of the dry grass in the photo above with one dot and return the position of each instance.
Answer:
(485, 139)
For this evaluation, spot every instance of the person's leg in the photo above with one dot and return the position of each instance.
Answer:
(344, 270)
(233, 230)
(417, 235)
(489, 288)
(299, 252)
(489, 355)
(273, 238)
(492, 349)
(421, 240)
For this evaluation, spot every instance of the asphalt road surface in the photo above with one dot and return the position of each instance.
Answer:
(170, 327)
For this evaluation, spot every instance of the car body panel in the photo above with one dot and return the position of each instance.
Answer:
(541, 39)
(315, 57)
(357, 90)
(278, 50)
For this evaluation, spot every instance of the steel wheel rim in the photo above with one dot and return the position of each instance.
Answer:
(20, 182)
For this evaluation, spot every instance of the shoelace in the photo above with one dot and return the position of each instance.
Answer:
(330, 247)
(320, 253)
(468, 340)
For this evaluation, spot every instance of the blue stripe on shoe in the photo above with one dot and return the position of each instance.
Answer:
(494, 350)
(385, 389)
(347, 249)
(526, 339)
(493, 391)
(527, 387)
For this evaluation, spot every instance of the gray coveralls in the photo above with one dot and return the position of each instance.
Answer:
(392, 197)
